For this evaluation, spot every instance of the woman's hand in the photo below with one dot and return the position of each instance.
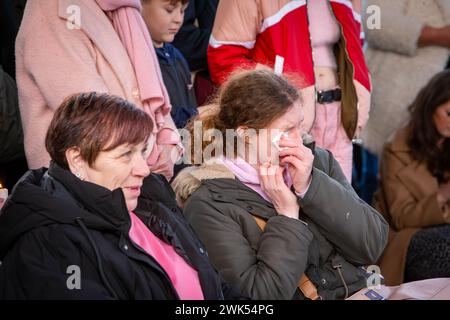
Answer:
(166, 160)
(431, 36)
(272, 183)
(299, 160)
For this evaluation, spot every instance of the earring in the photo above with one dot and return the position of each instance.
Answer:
(78, 175)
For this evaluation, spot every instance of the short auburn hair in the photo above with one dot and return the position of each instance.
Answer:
(95, 122)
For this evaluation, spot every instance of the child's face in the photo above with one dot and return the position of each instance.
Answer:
(163, 19)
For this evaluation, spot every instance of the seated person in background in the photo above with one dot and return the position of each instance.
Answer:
(267, 222)
(98, 213)
(164, 19)
(415, 189)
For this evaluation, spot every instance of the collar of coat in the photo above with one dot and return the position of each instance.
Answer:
(191, 178)
(399, 146)
(223, 187)
(55, 196)
(399, 142)
(414, 175)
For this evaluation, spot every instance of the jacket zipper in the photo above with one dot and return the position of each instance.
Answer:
(338, 267)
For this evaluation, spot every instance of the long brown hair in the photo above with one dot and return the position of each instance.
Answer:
(250, 98)
(424, 136)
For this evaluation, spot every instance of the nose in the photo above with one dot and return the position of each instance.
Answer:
(141, 168)
(296, 134)
(178, 18)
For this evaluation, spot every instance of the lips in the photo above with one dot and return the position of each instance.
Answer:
(134, 191)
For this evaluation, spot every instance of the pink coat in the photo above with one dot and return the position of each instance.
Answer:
(54, 61)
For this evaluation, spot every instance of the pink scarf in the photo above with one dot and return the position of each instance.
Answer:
(249, 176)
(132, 30)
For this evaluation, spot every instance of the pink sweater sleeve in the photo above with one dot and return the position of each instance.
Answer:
(59, 62)
(52, 62)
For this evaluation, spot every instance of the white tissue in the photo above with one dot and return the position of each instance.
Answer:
(276, 140)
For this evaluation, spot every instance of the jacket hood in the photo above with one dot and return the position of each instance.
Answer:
(55, 196)
(222, 187)
(191, 178)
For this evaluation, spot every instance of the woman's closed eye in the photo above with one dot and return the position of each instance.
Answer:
(145, 152)
(126, 154)
(169, 9)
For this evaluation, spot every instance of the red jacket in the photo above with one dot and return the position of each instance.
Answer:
(256, 31)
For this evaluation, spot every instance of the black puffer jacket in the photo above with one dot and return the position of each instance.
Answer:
(53, 221)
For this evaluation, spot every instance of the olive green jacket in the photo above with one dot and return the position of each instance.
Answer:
(337, 232)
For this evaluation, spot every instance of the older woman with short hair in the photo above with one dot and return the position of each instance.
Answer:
(97, 224)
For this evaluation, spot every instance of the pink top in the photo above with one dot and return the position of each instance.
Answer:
(325, 32)
(184, 278)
